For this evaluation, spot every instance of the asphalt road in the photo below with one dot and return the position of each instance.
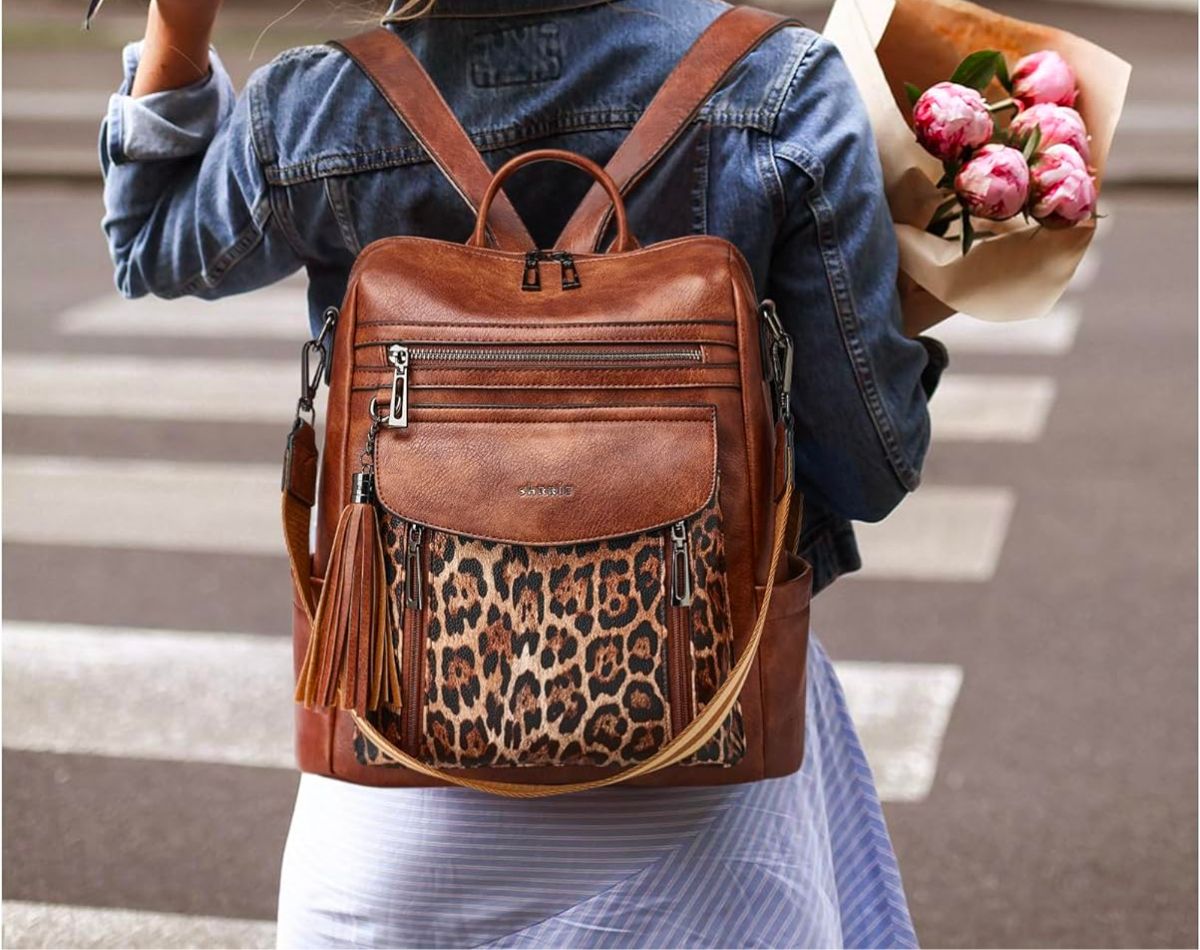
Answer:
(1027, 691)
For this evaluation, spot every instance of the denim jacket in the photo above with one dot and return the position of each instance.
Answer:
(211, 193)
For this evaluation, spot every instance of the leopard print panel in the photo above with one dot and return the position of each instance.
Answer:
(545, 656)
(558, 655)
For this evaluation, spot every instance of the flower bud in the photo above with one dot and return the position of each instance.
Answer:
(1062, 190)
(1060, 125)
(949, 118)
(1043, 77)
(994, 183)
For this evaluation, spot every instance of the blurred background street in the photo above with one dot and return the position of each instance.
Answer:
(1020, 652)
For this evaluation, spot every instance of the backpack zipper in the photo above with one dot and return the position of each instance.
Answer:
(401, 357)
(679, 624)
(414, 629)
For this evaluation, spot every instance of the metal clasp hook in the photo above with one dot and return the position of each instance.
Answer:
(310, 375)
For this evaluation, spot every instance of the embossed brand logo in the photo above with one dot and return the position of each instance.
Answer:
(546, 491)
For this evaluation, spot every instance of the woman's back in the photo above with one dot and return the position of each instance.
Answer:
(211, 194)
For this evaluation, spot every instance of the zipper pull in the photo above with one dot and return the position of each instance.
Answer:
(412, 567)
(532, 279)
(398, 407)
(681, 566)
(570, 276)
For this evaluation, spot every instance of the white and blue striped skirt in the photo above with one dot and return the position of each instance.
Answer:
(802, 861)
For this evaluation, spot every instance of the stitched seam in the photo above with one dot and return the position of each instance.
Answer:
(849, 323)
(246, 241)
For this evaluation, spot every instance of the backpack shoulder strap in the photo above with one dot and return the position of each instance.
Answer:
(698, 74)
(401, 79)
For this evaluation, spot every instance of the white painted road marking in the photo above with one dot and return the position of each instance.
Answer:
(966, 407)
(53, 926)
(940, 533)
(202, 697)
(991, 408)
(901, 711)
(133, 504)
(239, 691)
(1052, 335)
(279, 312)
(139, 387)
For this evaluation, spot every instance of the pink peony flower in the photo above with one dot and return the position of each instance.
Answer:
(1062, 190)
(949, 118)
(1043, 77)
(994, 183)
(1060, 125)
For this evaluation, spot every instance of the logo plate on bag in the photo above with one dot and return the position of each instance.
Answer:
(546, 491)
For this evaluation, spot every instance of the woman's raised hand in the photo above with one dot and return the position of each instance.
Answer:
(175, 52)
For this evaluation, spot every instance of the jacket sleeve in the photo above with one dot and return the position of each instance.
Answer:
(188, 210)
(860, 386)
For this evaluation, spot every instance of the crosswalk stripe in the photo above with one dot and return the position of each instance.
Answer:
(991, 408)
(279, 312)
(138, 387)
(901, 706)
(210, 697)
(36, 925)
(1052, 335)
(202, 697)
(940, 533)
(966, 407)
(142, 504)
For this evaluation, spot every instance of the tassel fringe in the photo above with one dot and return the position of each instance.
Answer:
(351, 659)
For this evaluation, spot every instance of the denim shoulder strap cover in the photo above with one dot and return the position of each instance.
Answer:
(701, 71)
(402, 81)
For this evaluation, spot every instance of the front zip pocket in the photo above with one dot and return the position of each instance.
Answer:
(402, 357)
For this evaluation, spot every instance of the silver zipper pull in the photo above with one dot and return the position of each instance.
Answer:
(398, 406)
(681, 566)
(412, 567)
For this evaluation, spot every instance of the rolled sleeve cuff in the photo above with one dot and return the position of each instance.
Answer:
(176, 123)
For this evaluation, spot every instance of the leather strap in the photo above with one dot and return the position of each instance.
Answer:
(701, 72)
(401, 79)
(297, 514)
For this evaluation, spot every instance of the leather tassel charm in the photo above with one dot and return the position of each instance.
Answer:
(351, 659)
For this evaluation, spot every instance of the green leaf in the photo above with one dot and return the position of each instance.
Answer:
(968, 232)
(913, 91)
(1032, 143)
(978, 69)
(1002, 75)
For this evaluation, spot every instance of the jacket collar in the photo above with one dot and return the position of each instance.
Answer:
(503, 8)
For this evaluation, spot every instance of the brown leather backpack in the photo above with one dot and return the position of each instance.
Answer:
(555, 489)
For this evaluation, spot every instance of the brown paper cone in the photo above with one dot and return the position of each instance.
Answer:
(1021, 273)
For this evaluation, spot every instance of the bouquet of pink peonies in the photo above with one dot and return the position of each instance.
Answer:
(1003, 163)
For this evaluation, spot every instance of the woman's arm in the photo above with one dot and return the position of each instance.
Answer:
(175, 50)
(189, 210)
(860, 385)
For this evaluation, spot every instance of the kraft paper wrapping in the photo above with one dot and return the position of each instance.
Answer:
(1021, 273)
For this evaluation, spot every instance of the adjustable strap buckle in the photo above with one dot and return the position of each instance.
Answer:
(314, 365)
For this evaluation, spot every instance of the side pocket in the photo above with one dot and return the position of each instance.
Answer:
(783, 656)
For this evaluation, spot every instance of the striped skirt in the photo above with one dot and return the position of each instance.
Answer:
(802, 861)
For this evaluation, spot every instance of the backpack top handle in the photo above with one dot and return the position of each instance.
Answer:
(624, 240)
